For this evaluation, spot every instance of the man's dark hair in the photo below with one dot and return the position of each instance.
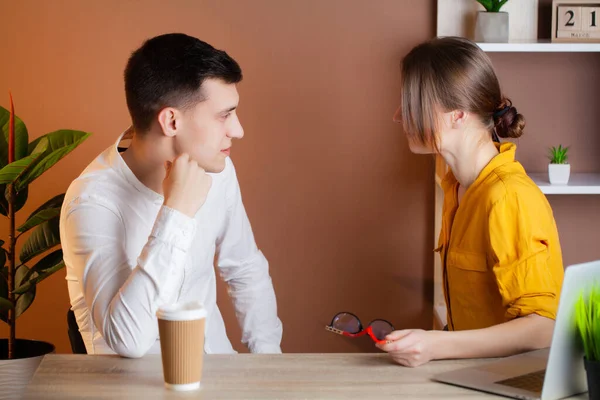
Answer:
(168, 71)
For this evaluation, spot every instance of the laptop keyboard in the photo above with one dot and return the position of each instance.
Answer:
(533, 381)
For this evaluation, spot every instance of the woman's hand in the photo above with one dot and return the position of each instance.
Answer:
(414, 347)
(411, 347)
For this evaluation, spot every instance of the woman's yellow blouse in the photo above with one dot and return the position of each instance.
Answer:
(500, 249)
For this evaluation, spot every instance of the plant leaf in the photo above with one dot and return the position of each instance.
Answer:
(487, 4)
(587, 316)
(40, 271)
(39, 218)
(13, 171)
(4, 296)
(21, 137)
(24, 300)
(5, 305)
(501, 3)
(45, 212)
(49, 261)
(60, 143)
(595, 322)
(497, 5)
(55, 202)
(3, 255)
(21, 200)
(35, 279)
(44, 237)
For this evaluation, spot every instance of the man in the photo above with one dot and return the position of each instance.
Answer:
(140, 227)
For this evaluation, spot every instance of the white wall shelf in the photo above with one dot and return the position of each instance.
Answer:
(540, 46)
(579, 183)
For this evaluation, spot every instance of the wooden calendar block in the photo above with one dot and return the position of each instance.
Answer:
(569, 18)
(575, 21)
(590, 19)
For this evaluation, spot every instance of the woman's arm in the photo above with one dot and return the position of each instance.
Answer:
(412, 348)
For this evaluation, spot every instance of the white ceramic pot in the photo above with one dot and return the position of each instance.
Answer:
(559, 174)
(491, 27)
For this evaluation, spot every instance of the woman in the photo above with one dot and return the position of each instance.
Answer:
(499, 244)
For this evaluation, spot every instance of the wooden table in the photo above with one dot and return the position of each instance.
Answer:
(247, 376)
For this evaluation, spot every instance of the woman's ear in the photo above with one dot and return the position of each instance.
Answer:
(458, 118)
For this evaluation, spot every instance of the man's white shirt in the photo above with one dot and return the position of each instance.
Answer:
(126, 254)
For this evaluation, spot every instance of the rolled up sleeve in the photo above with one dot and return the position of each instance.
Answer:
(519, 232)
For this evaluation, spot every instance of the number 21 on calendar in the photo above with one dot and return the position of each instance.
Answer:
(578, 22)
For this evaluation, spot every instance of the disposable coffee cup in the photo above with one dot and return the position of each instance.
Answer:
(181, 330)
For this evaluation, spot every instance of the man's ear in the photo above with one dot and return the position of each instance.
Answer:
(169, 120)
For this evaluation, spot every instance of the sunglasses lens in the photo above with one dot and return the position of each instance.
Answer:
(346, 322)
(381, 328)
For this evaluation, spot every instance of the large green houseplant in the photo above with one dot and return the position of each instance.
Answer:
(21, 162)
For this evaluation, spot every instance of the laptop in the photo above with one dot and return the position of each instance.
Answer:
(545, 374)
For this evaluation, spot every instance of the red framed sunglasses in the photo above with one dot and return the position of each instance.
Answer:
(348, 324)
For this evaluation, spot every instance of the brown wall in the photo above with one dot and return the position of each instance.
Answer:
(340, 207)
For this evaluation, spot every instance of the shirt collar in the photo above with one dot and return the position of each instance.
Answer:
(121, 167)
(507, 152)
(506, 155)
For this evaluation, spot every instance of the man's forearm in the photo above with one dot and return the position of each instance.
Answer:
(256, 308)
(516, 336)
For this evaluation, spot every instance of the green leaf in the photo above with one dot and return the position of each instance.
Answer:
(4, 289)
(55, 202)
(48, 262)
(40, 271)
(61, 143)
(558, 155)
(4, 296)
(587, 316)
(13, 171)
(21, 137)
(3, 255)
(43, 213)
(35, 279)
(24, 300)
(487, 4)
(43, 238)
(25, 287)
(21, 200)
(5, 305)
(499, 4)
(39, 218)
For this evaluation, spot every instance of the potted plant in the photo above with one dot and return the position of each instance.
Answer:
(587, 316)
(559, 170)
(21, 163)
(491, 25)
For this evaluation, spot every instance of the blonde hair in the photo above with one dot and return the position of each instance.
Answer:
(453, 73)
